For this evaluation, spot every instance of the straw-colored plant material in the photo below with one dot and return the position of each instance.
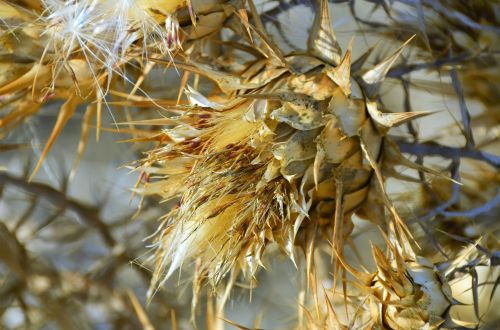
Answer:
(255, 149)
(75, 50)
(407, 293)
(411, 293)
(282, 152)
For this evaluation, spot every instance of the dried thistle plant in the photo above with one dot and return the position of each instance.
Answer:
(266, 150)
(281, 152)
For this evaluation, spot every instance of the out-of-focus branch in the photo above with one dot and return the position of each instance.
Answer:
(399, 70)
(452, 15)
(455, 195)
(469, 137)
(86, 213)
(434, 149)
(483, 209)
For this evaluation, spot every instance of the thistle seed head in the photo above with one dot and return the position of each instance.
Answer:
(280, 147)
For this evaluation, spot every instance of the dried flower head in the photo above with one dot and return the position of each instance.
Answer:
(104, 31)
(402, 293)
(75, 49)
(281, 153)
(264, 150)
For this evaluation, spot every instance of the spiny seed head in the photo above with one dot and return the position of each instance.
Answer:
(404, 292)
(416, 293)
(280, 147)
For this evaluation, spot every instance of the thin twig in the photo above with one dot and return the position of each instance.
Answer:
(434, 149)
(86, 213)
(464, 112)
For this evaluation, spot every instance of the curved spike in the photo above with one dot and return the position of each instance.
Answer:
(322, 41)
(84, 136)
(67, 110)
(373, 78)
(341, 74)
(365, 278)
(391, 119)
(357, 64)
